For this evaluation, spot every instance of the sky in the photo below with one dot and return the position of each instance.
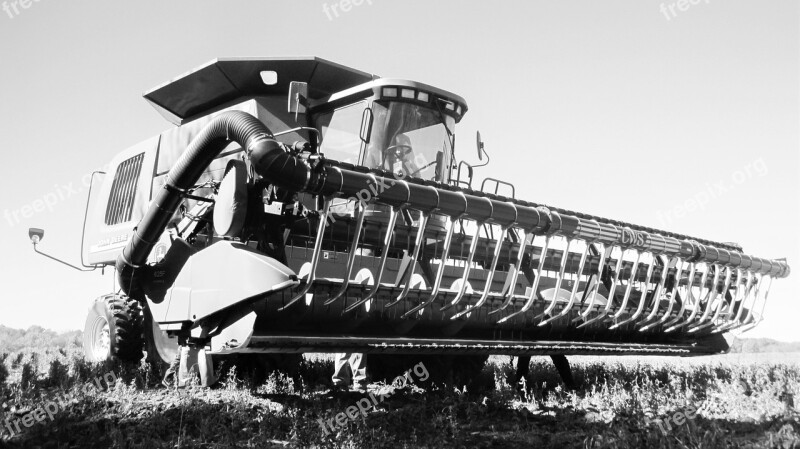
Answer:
(679, 116)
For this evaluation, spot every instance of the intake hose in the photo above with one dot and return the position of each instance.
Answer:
(240, 127)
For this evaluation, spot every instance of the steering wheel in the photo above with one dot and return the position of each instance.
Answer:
(400, 151)
(404, 149)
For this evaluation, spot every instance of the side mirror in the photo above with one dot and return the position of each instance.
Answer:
(298, 98)
(36, 235)
(479, 144)
(481, 150)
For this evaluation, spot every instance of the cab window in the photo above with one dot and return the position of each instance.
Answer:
(340, 133)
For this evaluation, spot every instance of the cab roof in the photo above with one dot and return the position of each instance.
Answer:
(224, 80)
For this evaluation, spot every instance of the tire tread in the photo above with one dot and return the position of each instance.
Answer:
(128, 319)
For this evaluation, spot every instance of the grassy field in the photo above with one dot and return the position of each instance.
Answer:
(738, 400)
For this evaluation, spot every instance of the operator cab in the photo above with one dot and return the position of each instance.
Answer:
(398, 126)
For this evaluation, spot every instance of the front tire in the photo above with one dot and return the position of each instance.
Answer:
(113, 330)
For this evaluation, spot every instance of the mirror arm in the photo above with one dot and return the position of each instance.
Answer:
(36, 249)
(309, 129)
(485, 163)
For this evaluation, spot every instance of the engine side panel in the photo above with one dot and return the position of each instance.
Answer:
(116, 207)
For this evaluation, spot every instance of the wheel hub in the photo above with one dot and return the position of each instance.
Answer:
(102, 339)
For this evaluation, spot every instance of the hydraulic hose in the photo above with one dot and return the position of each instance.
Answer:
(235, 126)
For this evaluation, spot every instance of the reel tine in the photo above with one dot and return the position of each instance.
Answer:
(709, 298)
(755, 289)
(759, 286)
(629, 287)
(351, 258)
(323, 222)
(725, 289)
(559, 279)
(642, 298)
(764, 303)
(659, 289)
(537, 277)
(595, 283)
(760, 317)
(423, 222)
(387, 240)
(440, 272)
(473, 246)
(712, 295)
(747, 291)
(718, 309)
(512, 284)
(689, 283)
(696, 303)
(497, 249)
(750, 290)
(673, 294)
(735, 299)
(611, 295)
(726, 315)
(574, 291)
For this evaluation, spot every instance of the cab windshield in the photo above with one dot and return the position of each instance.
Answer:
(406, 139)
(409, 140)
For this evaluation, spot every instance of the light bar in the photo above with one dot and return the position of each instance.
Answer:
(424, 97)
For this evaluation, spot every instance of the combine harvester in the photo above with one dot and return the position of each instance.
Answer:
(344, 223)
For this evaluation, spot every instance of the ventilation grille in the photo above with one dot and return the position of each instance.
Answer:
(123, 190)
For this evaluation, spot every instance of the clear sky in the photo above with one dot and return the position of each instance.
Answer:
(624, 109)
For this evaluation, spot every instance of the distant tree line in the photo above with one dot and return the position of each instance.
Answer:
(763, 345)
(36, 337)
